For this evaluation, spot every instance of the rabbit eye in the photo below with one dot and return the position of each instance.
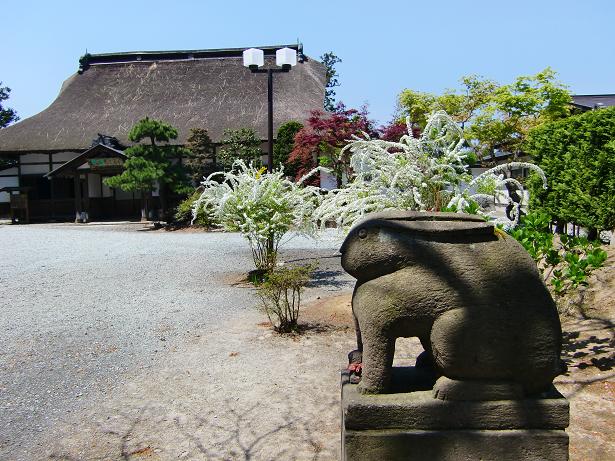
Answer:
(362, 233)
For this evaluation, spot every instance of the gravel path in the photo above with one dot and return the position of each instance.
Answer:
(98, 320)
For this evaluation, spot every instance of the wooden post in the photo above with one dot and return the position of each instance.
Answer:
(51, 190)
(27, 201)
(86, 197)
(77, 197)
(143, 212)
(13, 217)
(114, 204)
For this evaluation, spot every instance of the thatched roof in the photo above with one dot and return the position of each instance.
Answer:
(208, 89)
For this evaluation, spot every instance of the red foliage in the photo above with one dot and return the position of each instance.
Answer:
(326, 132)
(395, 130)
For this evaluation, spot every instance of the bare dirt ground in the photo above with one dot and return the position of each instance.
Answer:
(589, 384)
(241, 392)
(238, 393)
(285, 405)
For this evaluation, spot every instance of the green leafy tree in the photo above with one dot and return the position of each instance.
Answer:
(284, 144)
(578, 156)
(492, 116)
(200, 157)
(242, 144)
(515, 109)
(330, 60)
(416, 106)
(7, 115)
(149, 165)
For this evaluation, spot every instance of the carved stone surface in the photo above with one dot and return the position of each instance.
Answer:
(418, 410)
(492, 338)
(413, 426)
(472, 295)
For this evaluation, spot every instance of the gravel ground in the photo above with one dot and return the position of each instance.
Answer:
(108, 331)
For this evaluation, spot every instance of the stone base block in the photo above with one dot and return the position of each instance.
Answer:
(416, 426)
(455, 445)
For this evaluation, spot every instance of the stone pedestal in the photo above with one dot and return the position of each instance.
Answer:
(410, 424)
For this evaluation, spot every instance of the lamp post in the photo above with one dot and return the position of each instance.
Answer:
(254, 58)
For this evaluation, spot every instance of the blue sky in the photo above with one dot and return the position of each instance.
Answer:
(386, 46)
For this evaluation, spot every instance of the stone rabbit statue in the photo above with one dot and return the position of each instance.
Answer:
(471, 294)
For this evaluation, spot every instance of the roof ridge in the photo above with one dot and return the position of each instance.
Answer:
(267, 48)
(176, 55)
(593, 95)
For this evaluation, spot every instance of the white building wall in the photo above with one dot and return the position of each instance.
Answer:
(7, 182)
(62, 157)
(94, 189)
(106, 191)
(34, 158)
(35, 169)
(9, 172)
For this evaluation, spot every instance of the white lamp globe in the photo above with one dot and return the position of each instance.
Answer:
(286, 57)
(253, 57)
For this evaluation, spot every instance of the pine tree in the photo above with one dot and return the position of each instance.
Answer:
(200, 160)
(284, 144)
(151, 165)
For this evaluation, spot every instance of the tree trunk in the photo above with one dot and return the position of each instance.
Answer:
(271, 256)
(144, 206)
(592, 234)
(163, 201)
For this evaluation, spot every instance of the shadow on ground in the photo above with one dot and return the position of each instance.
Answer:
(589, 343)
(323, 278)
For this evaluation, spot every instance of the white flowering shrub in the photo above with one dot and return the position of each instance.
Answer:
(263, 207)
(492, 182)
(424, 174)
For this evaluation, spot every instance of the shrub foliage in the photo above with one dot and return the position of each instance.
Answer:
(241, 144)
(200, 155)
(263, 207)
(578, 156)
(565, 262)
(280, 294)
(184, 213)
(284, 144)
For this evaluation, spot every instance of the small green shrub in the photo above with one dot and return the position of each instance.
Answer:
(564, 262)
(183, 213)
(280, 294)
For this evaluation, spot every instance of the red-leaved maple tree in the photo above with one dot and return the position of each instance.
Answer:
(319, 142)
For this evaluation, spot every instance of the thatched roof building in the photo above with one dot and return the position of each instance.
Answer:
(55, 173)
(208, 89)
